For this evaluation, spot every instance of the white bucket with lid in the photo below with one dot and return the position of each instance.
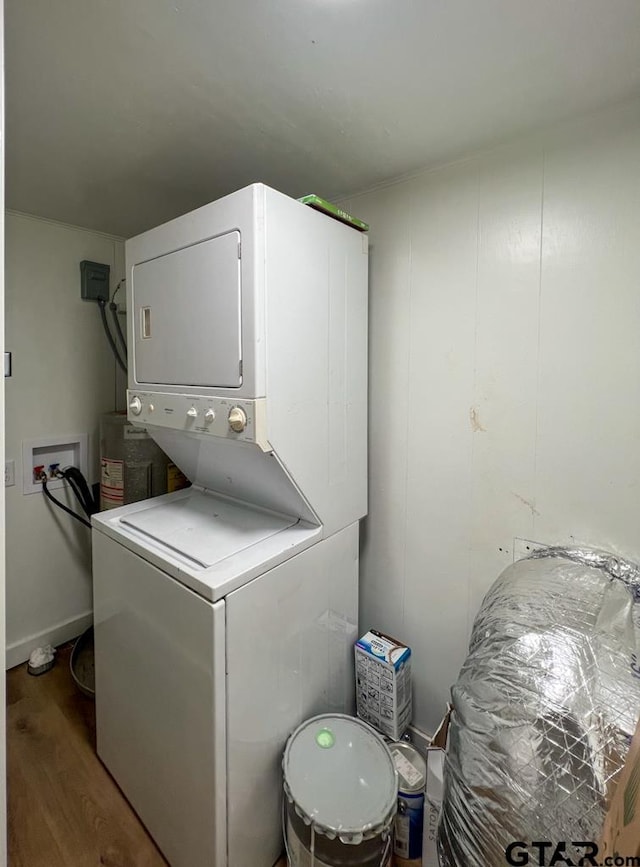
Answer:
(340, 790)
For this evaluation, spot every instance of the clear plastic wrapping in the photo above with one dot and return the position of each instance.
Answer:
(544, 707)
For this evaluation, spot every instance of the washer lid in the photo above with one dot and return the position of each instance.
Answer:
(207, 528)
(340, 777)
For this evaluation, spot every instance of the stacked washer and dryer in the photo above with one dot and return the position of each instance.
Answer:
(225, 614)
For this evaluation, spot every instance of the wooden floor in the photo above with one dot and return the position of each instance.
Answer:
(64, 808)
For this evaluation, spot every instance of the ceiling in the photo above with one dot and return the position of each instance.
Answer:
(124, 113)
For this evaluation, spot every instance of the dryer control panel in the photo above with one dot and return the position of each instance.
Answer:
(243, 420)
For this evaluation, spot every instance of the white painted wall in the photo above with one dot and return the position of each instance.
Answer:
(505, 377)
(63, 379)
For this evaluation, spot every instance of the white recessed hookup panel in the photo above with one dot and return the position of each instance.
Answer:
(70, 450)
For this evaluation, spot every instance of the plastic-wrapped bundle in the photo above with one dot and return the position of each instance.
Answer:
(544, 707)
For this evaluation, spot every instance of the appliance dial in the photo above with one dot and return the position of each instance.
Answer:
(151, 407)
(135, 405)
(237, 419)
(193, 412)
(209, 416)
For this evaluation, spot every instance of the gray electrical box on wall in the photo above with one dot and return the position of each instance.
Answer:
(94, 281)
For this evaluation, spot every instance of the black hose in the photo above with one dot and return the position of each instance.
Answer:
(107, 331)
(79, 497)
(81, 489)
(62, 506)
(116, 321)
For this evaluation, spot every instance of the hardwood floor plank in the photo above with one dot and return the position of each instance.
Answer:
(30, 842)
(64, 808)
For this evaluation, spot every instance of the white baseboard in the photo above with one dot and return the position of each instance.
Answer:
(419, 739)
(19, 651)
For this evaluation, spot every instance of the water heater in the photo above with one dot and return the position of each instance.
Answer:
(132, 466)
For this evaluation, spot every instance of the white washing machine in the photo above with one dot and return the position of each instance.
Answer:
(225, 614)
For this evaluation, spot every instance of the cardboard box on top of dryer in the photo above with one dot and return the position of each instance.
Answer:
(436, 753)
(383, 683)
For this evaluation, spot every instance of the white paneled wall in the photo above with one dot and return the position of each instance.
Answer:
(505, 377)
(63, 379)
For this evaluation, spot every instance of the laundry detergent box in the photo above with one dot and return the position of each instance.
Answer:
(383, 683)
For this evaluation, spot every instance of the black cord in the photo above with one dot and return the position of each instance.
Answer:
(115, 291)
(107, 331)
(62, 506)
(116, 321)
(114, 311)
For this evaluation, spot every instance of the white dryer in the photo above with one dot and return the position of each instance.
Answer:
(225, 614)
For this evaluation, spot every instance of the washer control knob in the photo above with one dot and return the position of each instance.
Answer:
(135, 405)
(237, 419)
(151, 407)
(192, 413)
(209, 416)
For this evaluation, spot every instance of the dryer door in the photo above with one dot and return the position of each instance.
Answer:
(187, 326)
